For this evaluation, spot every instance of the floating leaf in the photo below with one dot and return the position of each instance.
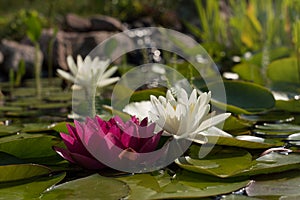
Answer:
(29, 145)
(21, 171)
(235, 142)
(290, 105)
(284, 70)
(218, 164)
(234, 124)
(184, 185)
(10, 108)
(51, 105)
(61, 127)
(7, 159)
(286, 184)
(29, 188)
(91, 187)
(249, 72)
(242, 97)
(9, 130)
(276, 130)
(269, 163)
(35, 127)
(237, 197)
(278, 117)
(143, 95)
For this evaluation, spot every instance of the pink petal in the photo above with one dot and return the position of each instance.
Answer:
(87, 162)
(129, 141)
(72, 130)
(68, 140)
(64, 153)
(112, 140)
(151, 143)
(144, 122)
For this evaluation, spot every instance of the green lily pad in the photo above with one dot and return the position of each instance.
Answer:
(286, 185)
(9, 130)
(29, 145)
(182, 185)
(61, 127)
(143, 95)
(270, 163)
(29, 188)
(237, 197)
(249, 72)
(290, 105)
(11, 108)
(234, 142)
(278, 117)
(242, 97)
(284, 70)
(91, 187)
(21, 171)
(7, 159)
(234, 124)
(276, 130)
(59, 96)
(51, 105)
(24, 102)
(218, 163)
(36, 127)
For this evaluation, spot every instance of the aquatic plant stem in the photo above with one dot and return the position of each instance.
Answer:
(37, 67)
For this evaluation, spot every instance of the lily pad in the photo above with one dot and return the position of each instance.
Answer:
(184, 184)
(21, 171)
(234, 124)
(9, 130)
(270, 163)
(29, 145)
(249, 72)
(36, 127)
(290, 105)
(269, 117)
(91, 187)
(284, 70)
(143, 95)
(51, 105)
(29, 188)
(286, 185)
(276, 130)
(7, 159)
(242, 97)
(235, 142)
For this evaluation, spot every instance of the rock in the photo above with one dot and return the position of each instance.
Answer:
(14, 52)
(105, 23)
(1, 57)
(71, 43)
(77, 24)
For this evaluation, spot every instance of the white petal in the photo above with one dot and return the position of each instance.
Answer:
(170, 98)
(214, 131)
(193, 97)
(80, 62)
(72, 66)
(139, 109)
(109, 72)
(106, 82)
(182, 97)
(162, 100)
(213, 121)
(66, 75)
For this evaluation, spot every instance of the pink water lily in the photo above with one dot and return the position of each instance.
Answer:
(130, 136)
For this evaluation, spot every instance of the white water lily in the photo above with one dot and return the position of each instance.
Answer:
(186, 116)
(88, 70)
